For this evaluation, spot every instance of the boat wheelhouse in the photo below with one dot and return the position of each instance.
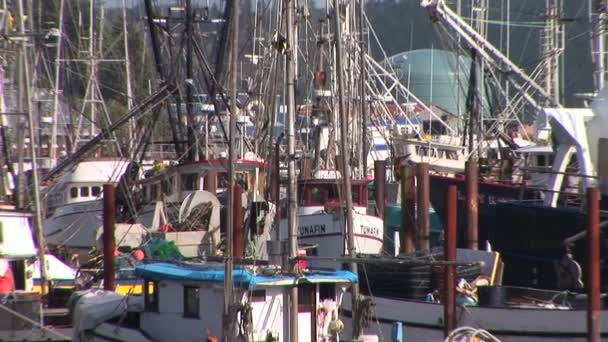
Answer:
(322, 219)
(174, 183)
(184, 302)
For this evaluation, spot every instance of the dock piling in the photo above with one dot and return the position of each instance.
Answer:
(211, 181)
(472, 203)
(449, 300)
(593, 264)
(422, 207)
(380, 183)
(408, 200)
(109, 243)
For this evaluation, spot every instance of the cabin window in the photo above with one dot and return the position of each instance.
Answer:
(1, 233)
(327, 291)
(154, 192)
(258, 296)
(333, 194)
(190, 181)
(316, 196)
(151, 295)
(306, 297)
(191, 301)
(84, 191)
(73, 192)
(356, 194)
(165, 187)
(95, 191)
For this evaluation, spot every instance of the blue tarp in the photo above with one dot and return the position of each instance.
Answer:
(241, 277)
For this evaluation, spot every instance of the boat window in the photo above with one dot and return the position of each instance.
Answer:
(356, 194)
(541, 160)
(166, 186)
(306, 294)
(327, 291)
(84, 191)
(257, 296)
(190, 181)
(151, 295)
(1, 233)
(191, 301)
(306, 297)
(73, 192)
(96, 191)
(154, 192)
(316, 195)
(333, 193)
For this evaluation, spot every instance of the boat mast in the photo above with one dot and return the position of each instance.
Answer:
(552, 45)
(598, 36)
(363, 93)
(128, 72)
(228, 267)
(52, 148)
(292, 215)
(32, 144)
(344, 154)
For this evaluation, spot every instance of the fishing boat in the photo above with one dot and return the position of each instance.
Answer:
(75, 202)
(21, 304)
(527, 315)
(321, 217)
(184, 301)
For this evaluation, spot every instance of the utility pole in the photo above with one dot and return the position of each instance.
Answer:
(292, 215)
(35, 184)
(345, 156)
(228, 268)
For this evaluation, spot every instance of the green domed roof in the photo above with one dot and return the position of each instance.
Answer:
(436, 77)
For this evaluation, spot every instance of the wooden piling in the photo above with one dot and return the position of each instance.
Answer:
(593, 265)
(211, 181)
(109, 243)
(449, 298)
(380, 184)
(408, 200)
(423, 186)
(472, 203)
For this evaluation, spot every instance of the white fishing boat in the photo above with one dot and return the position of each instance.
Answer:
(75, 202)
(184, 302)
(189, 197)
(322, 221)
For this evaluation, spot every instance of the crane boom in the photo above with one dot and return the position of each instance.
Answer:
(439, 10)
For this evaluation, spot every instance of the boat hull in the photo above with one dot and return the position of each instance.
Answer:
(422, 321)
(528, 235)
(328, 232)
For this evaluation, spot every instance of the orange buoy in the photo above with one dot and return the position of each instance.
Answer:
(139, 255)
